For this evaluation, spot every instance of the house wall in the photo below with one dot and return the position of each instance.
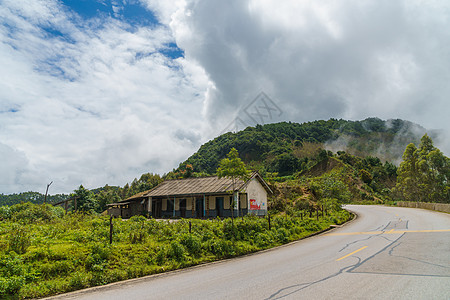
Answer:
(256, 197)
(211, 211)
(114, 211)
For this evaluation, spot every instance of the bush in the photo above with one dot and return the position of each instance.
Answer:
(19, 239)
(192, 244)
(28, 212)
(79, 280)
(282, 235)
(263, 240)
(221, 248)
(176, 251)
(11, 285)
(5, 212)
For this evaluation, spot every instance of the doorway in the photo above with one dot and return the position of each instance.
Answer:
(157, 208)
(219, 206)
(183, 208)
(199, 207)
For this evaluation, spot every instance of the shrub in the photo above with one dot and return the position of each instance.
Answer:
(79, 280)
(263, 240)
(11, 285)
(192, 244)
(19, 239)
(161, 255)
(282, 235)
(221, 248)
(176, 251)
(5, 212)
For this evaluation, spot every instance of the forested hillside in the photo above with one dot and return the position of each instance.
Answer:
(33, 197)
(287, 148)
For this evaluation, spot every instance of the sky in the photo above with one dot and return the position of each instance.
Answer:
(98, 92)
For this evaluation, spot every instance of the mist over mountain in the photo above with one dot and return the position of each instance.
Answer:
(287, 147)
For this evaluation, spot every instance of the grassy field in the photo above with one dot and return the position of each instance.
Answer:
(45, 252)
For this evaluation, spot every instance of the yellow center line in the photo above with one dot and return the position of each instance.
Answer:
(392, 231)
(351, 253)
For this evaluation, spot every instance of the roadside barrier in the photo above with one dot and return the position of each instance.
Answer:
(432, 206)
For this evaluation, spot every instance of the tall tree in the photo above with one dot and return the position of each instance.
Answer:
(85, 199)
(233, 167)
(424, 173)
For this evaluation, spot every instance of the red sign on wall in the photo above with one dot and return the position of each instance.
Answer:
(254, 205)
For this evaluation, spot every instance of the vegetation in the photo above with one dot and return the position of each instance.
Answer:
(45, 252)
(32, 197)
(424, 174)
(286, 148)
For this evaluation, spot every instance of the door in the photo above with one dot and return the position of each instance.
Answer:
(219, 206)
(157, 208)
(199, 207)
(183, 208)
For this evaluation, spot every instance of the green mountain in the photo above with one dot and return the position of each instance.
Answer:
(287, 148)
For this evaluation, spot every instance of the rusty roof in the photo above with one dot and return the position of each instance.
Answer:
(138, 195)
(196, 186)
(190, 186)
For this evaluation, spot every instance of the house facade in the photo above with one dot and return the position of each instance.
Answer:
(203, 197)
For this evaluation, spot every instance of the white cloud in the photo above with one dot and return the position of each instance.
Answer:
(96, 105)
(323, 59)
(95, 102)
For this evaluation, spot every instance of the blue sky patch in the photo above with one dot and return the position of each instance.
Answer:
(172, 51)
(132, 12)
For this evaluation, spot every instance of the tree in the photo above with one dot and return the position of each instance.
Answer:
(105, 197)
(85, 199)
(424, 173)
(233, 167)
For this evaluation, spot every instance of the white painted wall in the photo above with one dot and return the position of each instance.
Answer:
(257, 192)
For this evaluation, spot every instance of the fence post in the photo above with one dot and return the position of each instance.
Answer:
(110, 229)
(190, 226)
(269, 222)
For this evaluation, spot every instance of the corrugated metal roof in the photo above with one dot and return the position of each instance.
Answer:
(189, 186)
(138, 195)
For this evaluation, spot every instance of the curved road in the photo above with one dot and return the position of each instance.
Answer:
(386, 253)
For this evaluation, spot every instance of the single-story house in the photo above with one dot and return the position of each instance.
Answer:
(202, 197)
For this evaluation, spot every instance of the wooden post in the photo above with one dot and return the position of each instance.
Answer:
(46, 191)
(269, 222)
(110, 229)
(190, 227)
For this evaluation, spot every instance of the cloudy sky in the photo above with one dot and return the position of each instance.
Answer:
(100, 91)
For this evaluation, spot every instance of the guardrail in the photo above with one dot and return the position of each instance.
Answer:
(432, 206)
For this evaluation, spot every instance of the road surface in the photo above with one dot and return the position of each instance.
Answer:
(386, 253)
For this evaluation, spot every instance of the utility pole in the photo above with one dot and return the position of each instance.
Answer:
(46, 191)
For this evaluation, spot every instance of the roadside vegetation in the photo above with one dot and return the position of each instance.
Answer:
(45, 252)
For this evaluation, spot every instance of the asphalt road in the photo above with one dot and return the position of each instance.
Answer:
(386, 253)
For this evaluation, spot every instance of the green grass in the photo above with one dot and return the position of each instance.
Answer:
(51, 254)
